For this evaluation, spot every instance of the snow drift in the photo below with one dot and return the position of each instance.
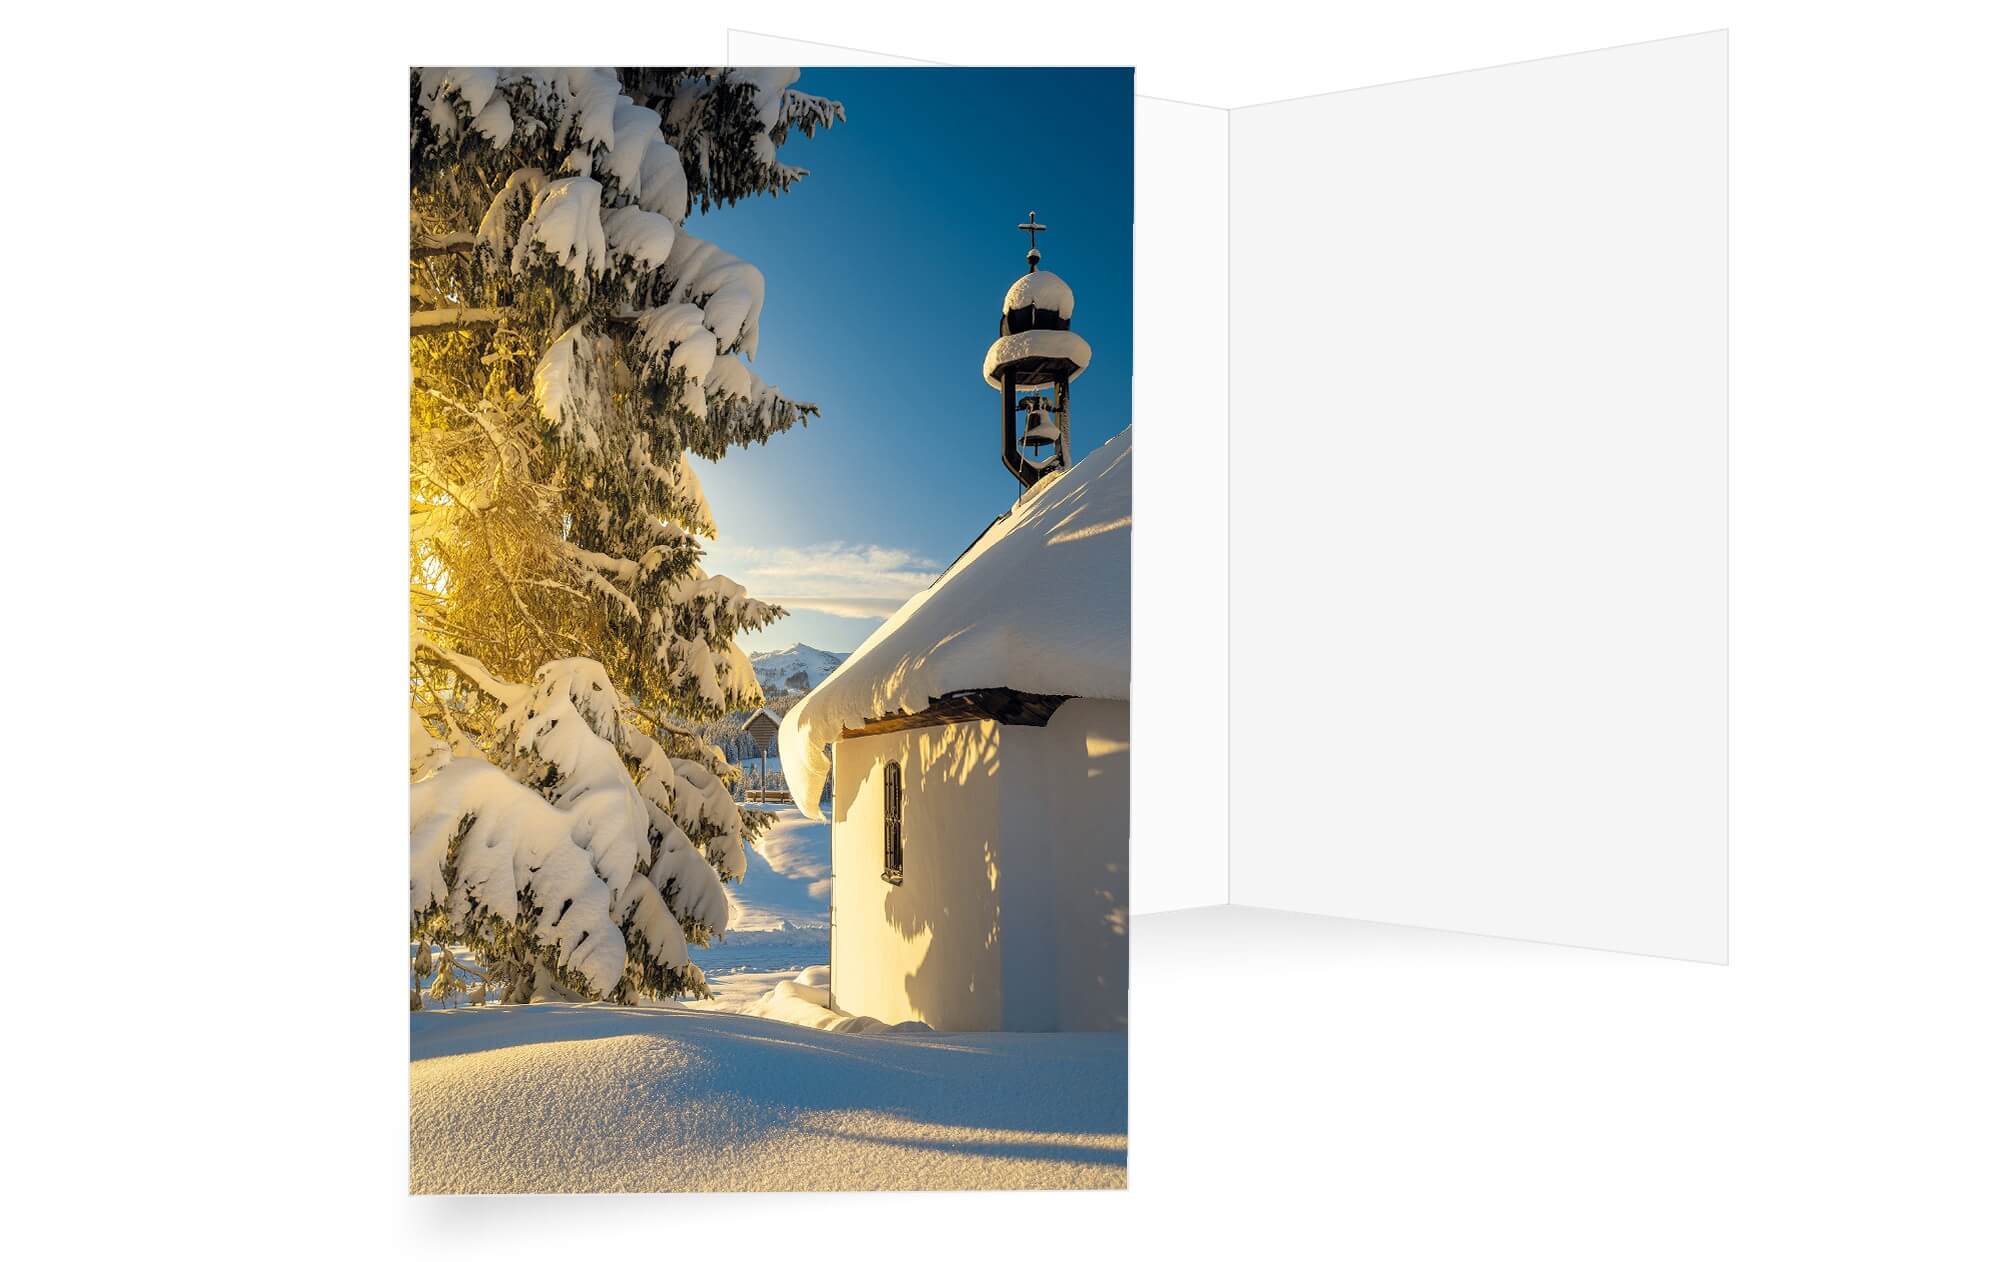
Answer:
(588, 1098)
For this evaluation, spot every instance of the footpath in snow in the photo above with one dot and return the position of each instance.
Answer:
(788, 876)
(778, 912)
(596, 1098)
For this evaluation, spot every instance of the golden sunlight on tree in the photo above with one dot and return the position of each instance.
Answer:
(570, 344)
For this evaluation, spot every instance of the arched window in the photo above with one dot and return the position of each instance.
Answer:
(892, 823)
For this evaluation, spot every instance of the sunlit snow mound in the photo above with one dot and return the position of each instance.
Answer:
(589, 1098)
(801, 1000)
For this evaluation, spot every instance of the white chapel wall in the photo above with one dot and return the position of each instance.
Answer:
(1065, 906)
(927, 949)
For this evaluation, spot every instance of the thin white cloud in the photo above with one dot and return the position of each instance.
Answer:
(840, 606)
(847, 580)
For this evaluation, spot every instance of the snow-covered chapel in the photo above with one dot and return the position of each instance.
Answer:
(980, 738)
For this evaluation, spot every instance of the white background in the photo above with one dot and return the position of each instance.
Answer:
(207, 413)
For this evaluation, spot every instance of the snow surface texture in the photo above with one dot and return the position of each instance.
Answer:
(1045, 290)
(795, 669)
(1041, 603)
(591, 1098)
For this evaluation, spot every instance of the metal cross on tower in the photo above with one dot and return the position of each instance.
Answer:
(1031, 228)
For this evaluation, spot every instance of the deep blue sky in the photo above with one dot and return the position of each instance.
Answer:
(884, 271)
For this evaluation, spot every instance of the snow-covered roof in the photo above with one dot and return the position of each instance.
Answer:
(1041, 603)
(752, 717)
(1045, 290)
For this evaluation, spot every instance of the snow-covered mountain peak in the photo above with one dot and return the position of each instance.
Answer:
(795, 669)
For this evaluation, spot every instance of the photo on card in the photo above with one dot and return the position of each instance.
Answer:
(770, 628)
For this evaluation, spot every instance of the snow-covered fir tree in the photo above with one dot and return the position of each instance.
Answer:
(571, 344)
(581, 858)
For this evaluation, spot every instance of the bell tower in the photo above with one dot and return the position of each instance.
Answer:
(1031, 364)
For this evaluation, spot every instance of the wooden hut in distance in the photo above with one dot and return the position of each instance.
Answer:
(762, 729)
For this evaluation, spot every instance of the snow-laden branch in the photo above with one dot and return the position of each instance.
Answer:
(445, 243)
(448, 319)
(474, 672)
(616, 567)
(587, 838)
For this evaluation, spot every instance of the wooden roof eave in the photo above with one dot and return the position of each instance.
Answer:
(972, 705)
